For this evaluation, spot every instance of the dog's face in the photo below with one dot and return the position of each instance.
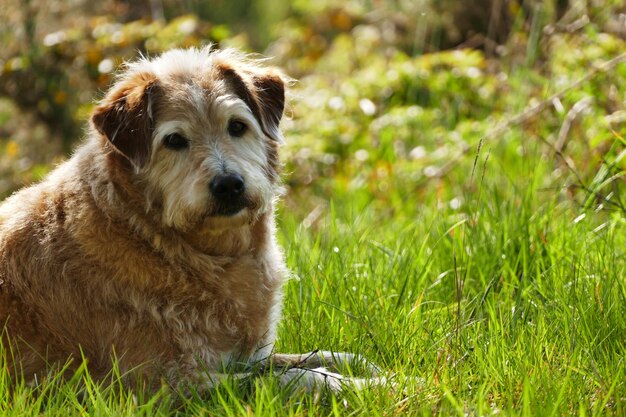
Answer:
(200, 131)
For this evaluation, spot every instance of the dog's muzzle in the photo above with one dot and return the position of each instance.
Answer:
(228, 191)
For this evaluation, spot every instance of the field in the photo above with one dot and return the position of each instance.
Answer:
(455, 215)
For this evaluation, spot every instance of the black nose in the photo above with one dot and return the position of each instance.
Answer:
(227, 188)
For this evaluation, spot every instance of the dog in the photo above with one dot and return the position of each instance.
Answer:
(153, 247)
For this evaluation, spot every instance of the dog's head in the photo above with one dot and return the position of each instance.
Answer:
(199, 131)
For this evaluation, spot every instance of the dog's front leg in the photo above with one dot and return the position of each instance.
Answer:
(322, 358)
(302, 372)
(319, 369)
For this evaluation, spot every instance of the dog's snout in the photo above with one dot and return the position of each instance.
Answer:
(227, 187)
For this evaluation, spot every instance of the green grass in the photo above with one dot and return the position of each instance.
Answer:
(512, 303)
(442, 236)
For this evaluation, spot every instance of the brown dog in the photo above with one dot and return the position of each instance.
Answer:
(154, 244)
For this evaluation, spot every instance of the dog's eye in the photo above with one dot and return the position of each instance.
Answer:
(237, 128)
(175, 142)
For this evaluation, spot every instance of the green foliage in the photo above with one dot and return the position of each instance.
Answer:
(83, 58)
(455, 215)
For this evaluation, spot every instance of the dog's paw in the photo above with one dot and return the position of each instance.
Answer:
(316, 380)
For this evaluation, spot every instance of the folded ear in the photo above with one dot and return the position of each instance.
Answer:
(125, 117)
(270, 90)
(263, 90)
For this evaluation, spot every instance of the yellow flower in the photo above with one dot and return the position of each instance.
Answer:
(11, 149)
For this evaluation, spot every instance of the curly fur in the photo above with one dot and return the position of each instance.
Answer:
(124, 253)
(119, 252)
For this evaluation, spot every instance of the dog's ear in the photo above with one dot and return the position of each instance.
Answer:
(125, 117)
(270, 91)
(263, 91)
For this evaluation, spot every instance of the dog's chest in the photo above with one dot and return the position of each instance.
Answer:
(180, 300)
(226, 310)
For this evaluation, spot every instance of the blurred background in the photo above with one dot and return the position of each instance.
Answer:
(392, 97)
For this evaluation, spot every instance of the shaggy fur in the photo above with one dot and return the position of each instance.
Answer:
(124, 251)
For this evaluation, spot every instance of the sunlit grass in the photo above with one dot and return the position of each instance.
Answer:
(511, 303)
(493, 286)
